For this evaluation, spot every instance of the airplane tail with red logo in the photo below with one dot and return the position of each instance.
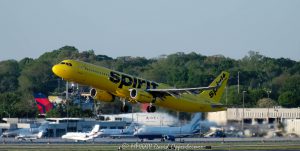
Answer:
(43, 103)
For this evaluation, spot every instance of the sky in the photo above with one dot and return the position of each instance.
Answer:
(151, 28)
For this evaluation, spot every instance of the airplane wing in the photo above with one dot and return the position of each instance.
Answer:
(176, 92)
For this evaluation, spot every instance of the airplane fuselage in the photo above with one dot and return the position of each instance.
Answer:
(119, 84)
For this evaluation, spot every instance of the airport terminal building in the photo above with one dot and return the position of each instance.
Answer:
(290, 117)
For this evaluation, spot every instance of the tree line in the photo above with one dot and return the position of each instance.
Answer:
(266, 81)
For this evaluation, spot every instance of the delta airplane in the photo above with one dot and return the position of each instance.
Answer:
(28, 133)
(43, 104)
(169, 133)
(108, 84)
(82, 136)
(119, 133)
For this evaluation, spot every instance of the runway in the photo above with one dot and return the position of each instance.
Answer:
(135, 144)
(108, 140)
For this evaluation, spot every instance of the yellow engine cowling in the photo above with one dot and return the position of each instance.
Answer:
(141, 96)
(101, 95)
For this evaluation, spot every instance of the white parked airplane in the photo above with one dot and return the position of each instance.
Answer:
(30, 137)
(28, 133)
(82, 136)
(169, 133)
(118, 133)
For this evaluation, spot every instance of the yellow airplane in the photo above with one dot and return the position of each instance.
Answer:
(108, 84)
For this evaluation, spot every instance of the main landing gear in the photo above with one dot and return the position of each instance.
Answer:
(151, 108)
(125, 108)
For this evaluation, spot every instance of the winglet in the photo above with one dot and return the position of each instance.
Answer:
(220, 82)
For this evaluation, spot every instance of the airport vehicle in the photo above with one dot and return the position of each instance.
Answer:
(169, 133)
(108, 84)
(215, 132)
(27, 133)
(82, 136)
(119, 133)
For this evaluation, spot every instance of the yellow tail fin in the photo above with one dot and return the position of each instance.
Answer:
(216, 94)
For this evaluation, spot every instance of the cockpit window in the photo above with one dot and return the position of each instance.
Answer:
(66, 63)
(69, 64)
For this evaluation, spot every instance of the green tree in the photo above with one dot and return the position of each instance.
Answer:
(37, 77)
(74, 111)
(9, 72)
(54, 113)
(18, 80)
(266, 103)
(287, 99)
(87, 113)
(233, 99)
(290, 96)
(8, 101)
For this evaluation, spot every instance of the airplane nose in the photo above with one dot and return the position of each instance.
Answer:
(55, 69)
(63, 71)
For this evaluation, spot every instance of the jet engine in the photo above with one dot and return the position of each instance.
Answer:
(141, 96)
(102, 95)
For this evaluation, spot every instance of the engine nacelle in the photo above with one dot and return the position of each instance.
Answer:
(141, 96)
(101, 95)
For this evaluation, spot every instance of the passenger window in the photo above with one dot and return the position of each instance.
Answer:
(62, 63)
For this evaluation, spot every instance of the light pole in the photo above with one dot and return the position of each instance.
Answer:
(238, 82)
(268, 92)
(226, 94)
(243, 111)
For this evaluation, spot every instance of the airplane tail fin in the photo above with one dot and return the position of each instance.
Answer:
(40, 134)
(43, 126)
(194, 122)
(216, 94)
(95, 129)
(131, 128)
(43, 103)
